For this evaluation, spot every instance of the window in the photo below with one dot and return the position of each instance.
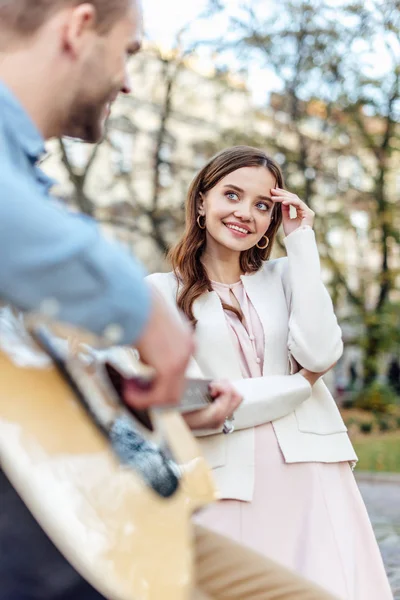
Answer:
(165, 175)
(165, 154)
(122, 151)
(282, 117)
(77, 153)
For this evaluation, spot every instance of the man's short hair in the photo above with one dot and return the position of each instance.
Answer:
(26, 16)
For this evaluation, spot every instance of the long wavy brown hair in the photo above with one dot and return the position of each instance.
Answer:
(186, 256)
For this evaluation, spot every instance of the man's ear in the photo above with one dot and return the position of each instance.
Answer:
(80, 24)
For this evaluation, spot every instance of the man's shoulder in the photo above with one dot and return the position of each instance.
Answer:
(12, 158)
(18, 173)
(5, 142)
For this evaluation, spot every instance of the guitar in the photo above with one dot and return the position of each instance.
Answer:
(122, 521)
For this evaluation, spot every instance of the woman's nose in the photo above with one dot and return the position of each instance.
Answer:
(243, 213)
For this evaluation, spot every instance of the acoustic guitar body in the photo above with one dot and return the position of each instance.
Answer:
(124, 536)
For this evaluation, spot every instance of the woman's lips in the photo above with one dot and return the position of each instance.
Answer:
(237, 230)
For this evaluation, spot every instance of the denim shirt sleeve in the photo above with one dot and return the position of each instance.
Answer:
(49, 254)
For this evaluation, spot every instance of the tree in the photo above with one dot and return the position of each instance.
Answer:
(136, 181)
(134, 215)
(370, 102)
(331, 110)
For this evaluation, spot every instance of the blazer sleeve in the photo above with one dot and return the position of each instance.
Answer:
(266, 399)
(269, 398)
(315, 338)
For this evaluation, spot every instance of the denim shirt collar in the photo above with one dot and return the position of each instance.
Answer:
(25, 132)
(21, 125)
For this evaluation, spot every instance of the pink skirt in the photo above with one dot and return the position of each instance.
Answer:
(309, 517)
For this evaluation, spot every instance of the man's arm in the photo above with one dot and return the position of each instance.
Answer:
(47, 255)
(50, 256)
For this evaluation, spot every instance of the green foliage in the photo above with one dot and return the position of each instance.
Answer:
(384, 424)
(376, 397)
(366, 427)
(348, 402)
(379, 453)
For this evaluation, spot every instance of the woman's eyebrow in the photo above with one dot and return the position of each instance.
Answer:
(234, 187)
(238, 189)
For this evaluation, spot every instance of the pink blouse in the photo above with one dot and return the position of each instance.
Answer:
(248, 334)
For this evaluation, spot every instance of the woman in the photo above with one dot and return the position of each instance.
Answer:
(268, 327)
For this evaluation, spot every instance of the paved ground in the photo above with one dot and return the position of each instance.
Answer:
(382, 498)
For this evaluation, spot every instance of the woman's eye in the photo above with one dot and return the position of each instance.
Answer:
(263, 206)
(232, 196)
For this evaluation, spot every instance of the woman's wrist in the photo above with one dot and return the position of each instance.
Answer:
(310, 376)
(298, 230)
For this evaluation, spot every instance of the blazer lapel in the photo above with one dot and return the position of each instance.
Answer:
(216, 354)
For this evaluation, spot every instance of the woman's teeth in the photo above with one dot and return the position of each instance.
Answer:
(236, 228)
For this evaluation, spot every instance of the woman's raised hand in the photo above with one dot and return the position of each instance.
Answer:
(305, 216)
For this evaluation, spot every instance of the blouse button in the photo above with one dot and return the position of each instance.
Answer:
(252, 338)
(258, 360)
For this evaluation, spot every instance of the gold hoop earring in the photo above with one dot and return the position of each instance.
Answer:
(265, 245)
(198, 222)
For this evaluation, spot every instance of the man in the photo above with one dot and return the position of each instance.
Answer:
(62, 64)
(66, 74)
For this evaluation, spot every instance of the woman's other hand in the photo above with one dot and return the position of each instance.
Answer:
(313, 377)
(226, 401)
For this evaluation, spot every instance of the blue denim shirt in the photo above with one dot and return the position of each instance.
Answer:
(51, 257)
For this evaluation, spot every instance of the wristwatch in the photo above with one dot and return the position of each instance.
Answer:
(229, 425)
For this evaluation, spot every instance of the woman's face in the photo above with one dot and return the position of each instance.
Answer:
(239, 208)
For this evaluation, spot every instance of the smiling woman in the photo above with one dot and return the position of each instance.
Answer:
(266, 329)
(217, 195)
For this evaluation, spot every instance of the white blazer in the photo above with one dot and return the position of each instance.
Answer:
(300, 328)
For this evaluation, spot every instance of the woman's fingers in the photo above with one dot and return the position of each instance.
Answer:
(224, 391)
(212, 417)
(304, 214)
(287, 198)
(219, 387)
(199, 419)
(225, 405)
(226, 401)
(283, 195)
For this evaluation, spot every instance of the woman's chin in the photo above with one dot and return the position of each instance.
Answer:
(239, 245)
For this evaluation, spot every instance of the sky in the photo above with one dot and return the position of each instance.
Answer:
(164, 18)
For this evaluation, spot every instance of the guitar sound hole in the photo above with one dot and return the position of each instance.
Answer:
(135, 451)
(150, 462)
